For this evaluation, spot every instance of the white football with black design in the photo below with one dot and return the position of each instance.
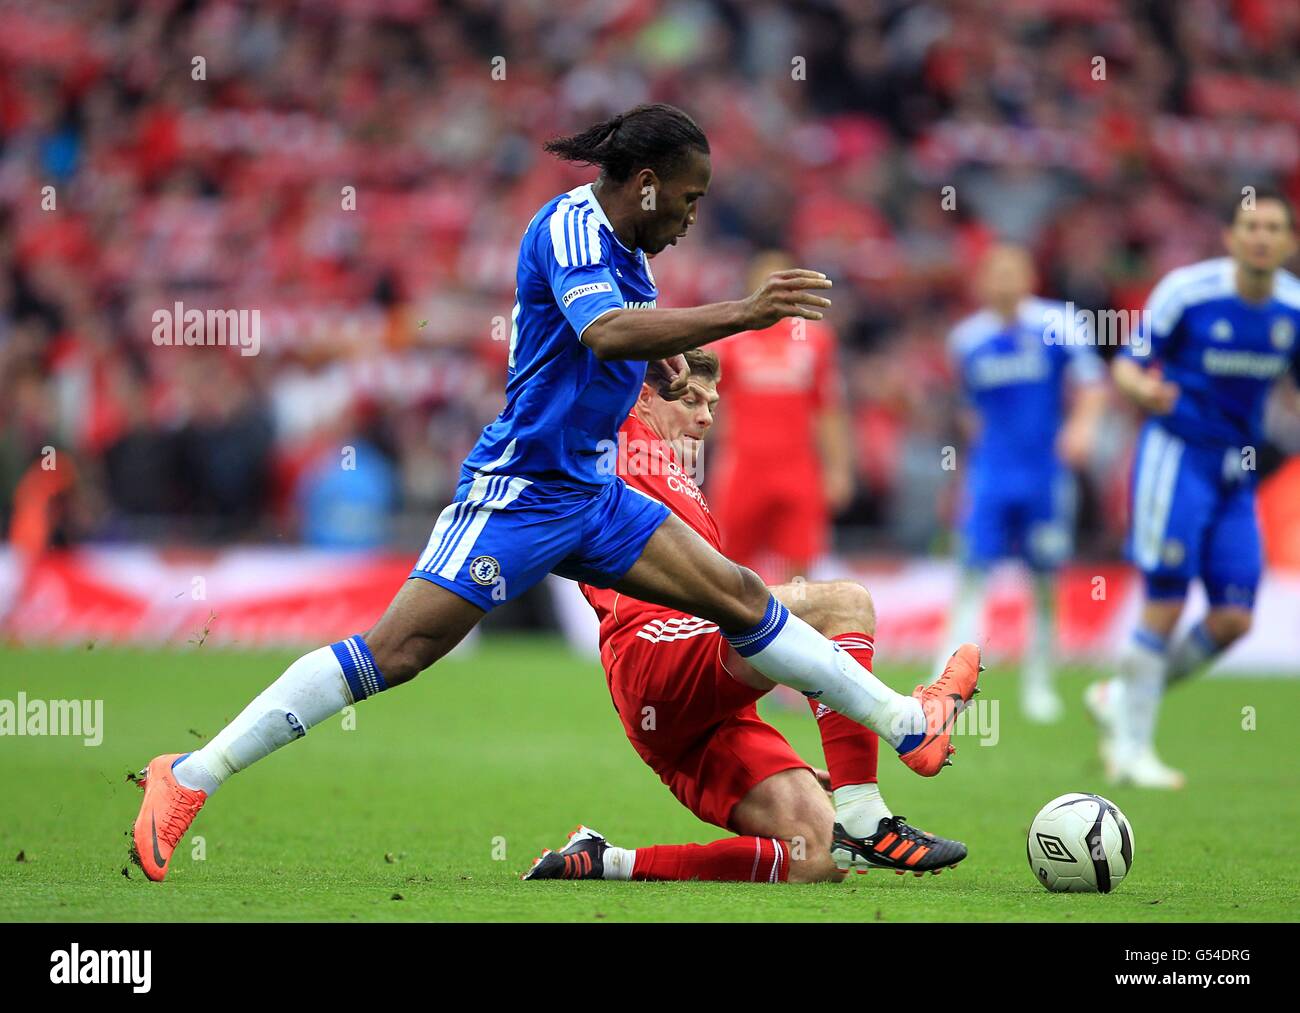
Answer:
(1080, 843)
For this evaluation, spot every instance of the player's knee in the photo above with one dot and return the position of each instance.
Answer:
(1228, 625)
(840, 606)
(859, 610)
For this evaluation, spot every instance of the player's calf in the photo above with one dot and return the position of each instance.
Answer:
(1226, 625)
(588, 855)
(423, 623)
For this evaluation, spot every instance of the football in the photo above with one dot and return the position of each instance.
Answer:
(1080, 843)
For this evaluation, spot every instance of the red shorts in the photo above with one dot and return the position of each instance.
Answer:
(695, 725)
(761, 517)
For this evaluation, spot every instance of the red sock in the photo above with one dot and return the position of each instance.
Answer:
(735, 860)
(851, 750)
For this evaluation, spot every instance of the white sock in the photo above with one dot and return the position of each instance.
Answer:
(1042, 637)
(618, 862)
(312, 689)
(1142, 669)
(1196, 650)
(789, 651)
(859, 808)
(1115, 695)
(964, 625)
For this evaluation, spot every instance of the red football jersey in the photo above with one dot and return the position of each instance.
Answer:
(776, 384)
(649, 464)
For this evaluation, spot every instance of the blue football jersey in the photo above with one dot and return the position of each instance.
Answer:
(563, 405)
(1014, 374)
(1223, 352)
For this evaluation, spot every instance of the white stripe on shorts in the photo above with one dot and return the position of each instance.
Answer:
(482, 512)
(453, 515)
(1153, 501)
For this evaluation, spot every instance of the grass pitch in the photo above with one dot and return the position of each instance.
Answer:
(447, 788)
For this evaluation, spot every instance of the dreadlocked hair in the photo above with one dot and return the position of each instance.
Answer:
(658, 137)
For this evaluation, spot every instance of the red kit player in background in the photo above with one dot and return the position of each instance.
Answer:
(781, 467)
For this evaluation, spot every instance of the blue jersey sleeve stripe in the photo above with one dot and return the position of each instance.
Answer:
(1187, 286)
(1164, 307)
(593, 236)
(579, 254)
(1286, 290)
(579, 217)
(559, 241)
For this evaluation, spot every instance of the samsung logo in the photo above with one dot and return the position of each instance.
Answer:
(1256, 365)
(997, 370)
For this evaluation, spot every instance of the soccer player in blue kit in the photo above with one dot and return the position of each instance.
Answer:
(1216, 337)
(540, 492)
(1036, 393)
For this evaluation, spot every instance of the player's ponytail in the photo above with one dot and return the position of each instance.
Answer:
(657, 137)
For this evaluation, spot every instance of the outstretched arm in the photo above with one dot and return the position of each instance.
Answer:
(659, 334)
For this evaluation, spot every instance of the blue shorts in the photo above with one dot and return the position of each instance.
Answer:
(1026, 516)
(503, 534)
(1192, 513)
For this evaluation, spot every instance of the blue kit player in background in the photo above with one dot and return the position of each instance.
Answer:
(1217, 335)
(540, 493)
(1035, 394)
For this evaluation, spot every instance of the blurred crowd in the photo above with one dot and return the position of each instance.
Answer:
(360, 172)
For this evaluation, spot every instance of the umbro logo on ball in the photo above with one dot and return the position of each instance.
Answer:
(1054, 848)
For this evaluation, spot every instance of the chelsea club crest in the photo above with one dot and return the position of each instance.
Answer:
(484, 569)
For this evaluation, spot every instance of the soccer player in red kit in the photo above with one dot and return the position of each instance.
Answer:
(783, 464)
(687, 703)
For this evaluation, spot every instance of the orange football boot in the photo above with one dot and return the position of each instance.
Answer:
(942, 701)
(166, 813)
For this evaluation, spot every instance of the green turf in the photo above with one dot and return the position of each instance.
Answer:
(508, 749)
